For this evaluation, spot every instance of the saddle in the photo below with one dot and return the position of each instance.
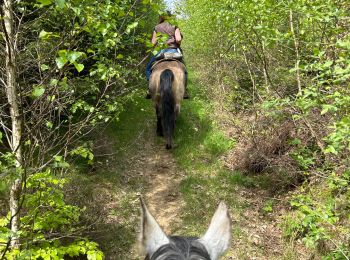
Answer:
(169, 56)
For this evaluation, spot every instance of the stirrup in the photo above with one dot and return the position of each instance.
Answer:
(148, 96)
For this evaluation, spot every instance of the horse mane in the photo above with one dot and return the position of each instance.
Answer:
(181, 248)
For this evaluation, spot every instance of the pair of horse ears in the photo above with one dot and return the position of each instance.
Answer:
(216, 239)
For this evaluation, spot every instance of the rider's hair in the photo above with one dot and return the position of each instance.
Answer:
(164, 16)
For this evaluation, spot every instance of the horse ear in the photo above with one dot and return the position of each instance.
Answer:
(218, 236)
(152, 236)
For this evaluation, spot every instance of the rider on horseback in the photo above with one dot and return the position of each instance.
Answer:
(173, 42)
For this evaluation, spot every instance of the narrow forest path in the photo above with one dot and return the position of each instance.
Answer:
(131, 161)
(161, 174)
(181, 187)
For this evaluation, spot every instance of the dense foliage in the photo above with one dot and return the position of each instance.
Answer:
(77, 63)
(288, 63)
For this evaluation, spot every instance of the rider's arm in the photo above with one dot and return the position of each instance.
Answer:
(154, 38)
(178, 37)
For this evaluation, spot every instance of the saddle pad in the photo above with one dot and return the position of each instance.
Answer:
(169, 55)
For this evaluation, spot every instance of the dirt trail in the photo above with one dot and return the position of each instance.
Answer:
(140, 166)
(162, 176)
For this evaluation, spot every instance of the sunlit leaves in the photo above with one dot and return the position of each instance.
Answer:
(251, 43)
(60, 3)
(44, 35)
(84, 153)
(71, 57)
(79, 67)
(62, 59)
(45, 2)
(131, 26)
(48, 213)
(120, 56)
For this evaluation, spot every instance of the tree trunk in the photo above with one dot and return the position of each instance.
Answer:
(252, 79)
(11, 92)
(296, 48)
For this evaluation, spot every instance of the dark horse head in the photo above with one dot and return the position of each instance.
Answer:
(167, 86)
(158, 246)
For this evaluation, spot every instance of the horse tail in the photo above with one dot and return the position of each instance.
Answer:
(168, 105)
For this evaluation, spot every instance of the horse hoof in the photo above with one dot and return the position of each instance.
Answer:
(168, 146)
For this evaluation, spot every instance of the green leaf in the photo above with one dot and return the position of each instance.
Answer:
(58, 158)
(76, 10)
(49, 124)
(61, 61)
(326, 108)
(330, 149)
(60, 3)
(53, 82)
(79, 67)
(3, 222)
(44, 67)
(44, 35)
(327, 64)
(72, 56)
(62, 53)
(38, 91)
(131, 26)
(45, 2)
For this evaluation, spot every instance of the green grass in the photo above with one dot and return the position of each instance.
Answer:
(200, 144)
(202, 192)
(125, 130)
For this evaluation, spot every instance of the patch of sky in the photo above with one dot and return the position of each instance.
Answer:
(170, 4)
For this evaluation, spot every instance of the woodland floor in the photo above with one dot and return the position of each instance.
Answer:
(181, 187)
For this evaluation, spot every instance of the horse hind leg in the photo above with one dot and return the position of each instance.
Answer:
(169, 143)
(159, 122)
(177, 110)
